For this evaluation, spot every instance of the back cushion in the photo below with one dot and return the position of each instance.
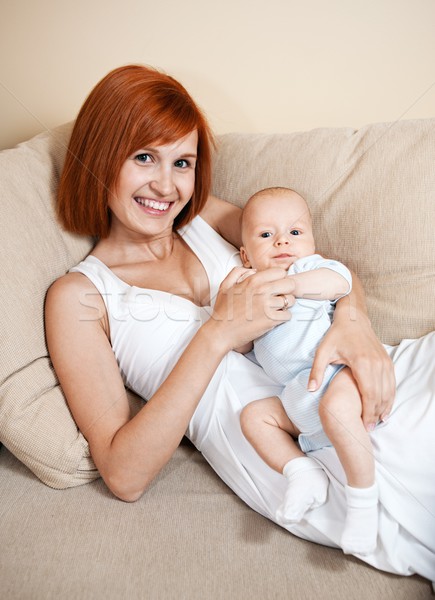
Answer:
(35, 423)
(372, 195)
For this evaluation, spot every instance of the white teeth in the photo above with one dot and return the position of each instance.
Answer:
(153, 204)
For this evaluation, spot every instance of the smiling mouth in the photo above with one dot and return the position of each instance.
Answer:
(153, 204)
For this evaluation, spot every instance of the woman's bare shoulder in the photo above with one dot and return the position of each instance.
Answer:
(74, 293)
(71, 282)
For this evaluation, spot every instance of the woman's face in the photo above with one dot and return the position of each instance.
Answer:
(155, 183)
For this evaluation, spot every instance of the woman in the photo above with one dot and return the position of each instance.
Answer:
(145, 309)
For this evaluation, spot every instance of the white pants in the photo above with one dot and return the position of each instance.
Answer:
(404, 450)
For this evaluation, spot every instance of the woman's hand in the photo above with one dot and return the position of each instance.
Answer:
(249, 304)
(351, 341)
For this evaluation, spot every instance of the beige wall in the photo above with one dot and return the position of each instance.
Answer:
(270, 65)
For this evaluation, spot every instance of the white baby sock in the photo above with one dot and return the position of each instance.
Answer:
(361, 525)
(307, 488)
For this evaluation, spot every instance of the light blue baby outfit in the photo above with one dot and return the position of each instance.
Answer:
(287, 352)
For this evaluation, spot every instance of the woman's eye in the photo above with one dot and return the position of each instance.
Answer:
(182, 163)
(295, 232)
(143, 157)
(265, 234)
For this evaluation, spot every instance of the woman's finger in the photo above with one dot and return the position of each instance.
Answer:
(321, 360)
(234, 276)
(247, 273)
(282, 301)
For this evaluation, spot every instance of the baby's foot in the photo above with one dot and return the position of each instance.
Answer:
(361, 525)
(307, 488)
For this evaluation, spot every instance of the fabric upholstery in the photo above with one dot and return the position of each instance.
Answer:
(188, 537)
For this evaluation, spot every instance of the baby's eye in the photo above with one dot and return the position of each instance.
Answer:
(265, 234)
(295, 232)
(143, 157)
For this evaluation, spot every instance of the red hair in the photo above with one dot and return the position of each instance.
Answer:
(130, 108)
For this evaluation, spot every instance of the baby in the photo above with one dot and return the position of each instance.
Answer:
(277, 232)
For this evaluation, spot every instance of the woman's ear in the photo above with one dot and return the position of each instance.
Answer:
(245, 260)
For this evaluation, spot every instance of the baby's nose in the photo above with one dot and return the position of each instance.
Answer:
(282, 240)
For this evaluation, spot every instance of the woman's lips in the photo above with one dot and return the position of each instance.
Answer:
(154, 206)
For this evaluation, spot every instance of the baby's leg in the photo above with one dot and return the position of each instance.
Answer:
(340, 414)
(267, 427)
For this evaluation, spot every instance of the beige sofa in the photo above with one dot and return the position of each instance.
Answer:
(372, 194)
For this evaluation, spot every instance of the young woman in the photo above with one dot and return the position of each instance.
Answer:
(146, 309)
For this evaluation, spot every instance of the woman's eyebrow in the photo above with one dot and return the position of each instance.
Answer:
(156, 151)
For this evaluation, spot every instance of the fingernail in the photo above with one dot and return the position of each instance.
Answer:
(312, 385)
(371, 426)
(385, 418)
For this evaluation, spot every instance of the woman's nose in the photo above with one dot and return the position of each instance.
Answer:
(163, 182)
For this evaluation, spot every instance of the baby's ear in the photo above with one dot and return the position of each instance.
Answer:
(244, 257)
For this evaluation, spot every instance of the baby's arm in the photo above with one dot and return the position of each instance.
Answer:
(320, 284)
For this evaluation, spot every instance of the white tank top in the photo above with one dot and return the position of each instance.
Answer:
(149, 329)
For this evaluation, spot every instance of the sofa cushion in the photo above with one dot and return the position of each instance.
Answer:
(372, 195)
(35, 423)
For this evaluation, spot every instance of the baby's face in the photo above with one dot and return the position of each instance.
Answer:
(276, 231)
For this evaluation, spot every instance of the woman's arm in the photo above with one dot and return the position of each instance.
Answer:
(129, 452)
(352, 341)
(224, 217)
(245, 348)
